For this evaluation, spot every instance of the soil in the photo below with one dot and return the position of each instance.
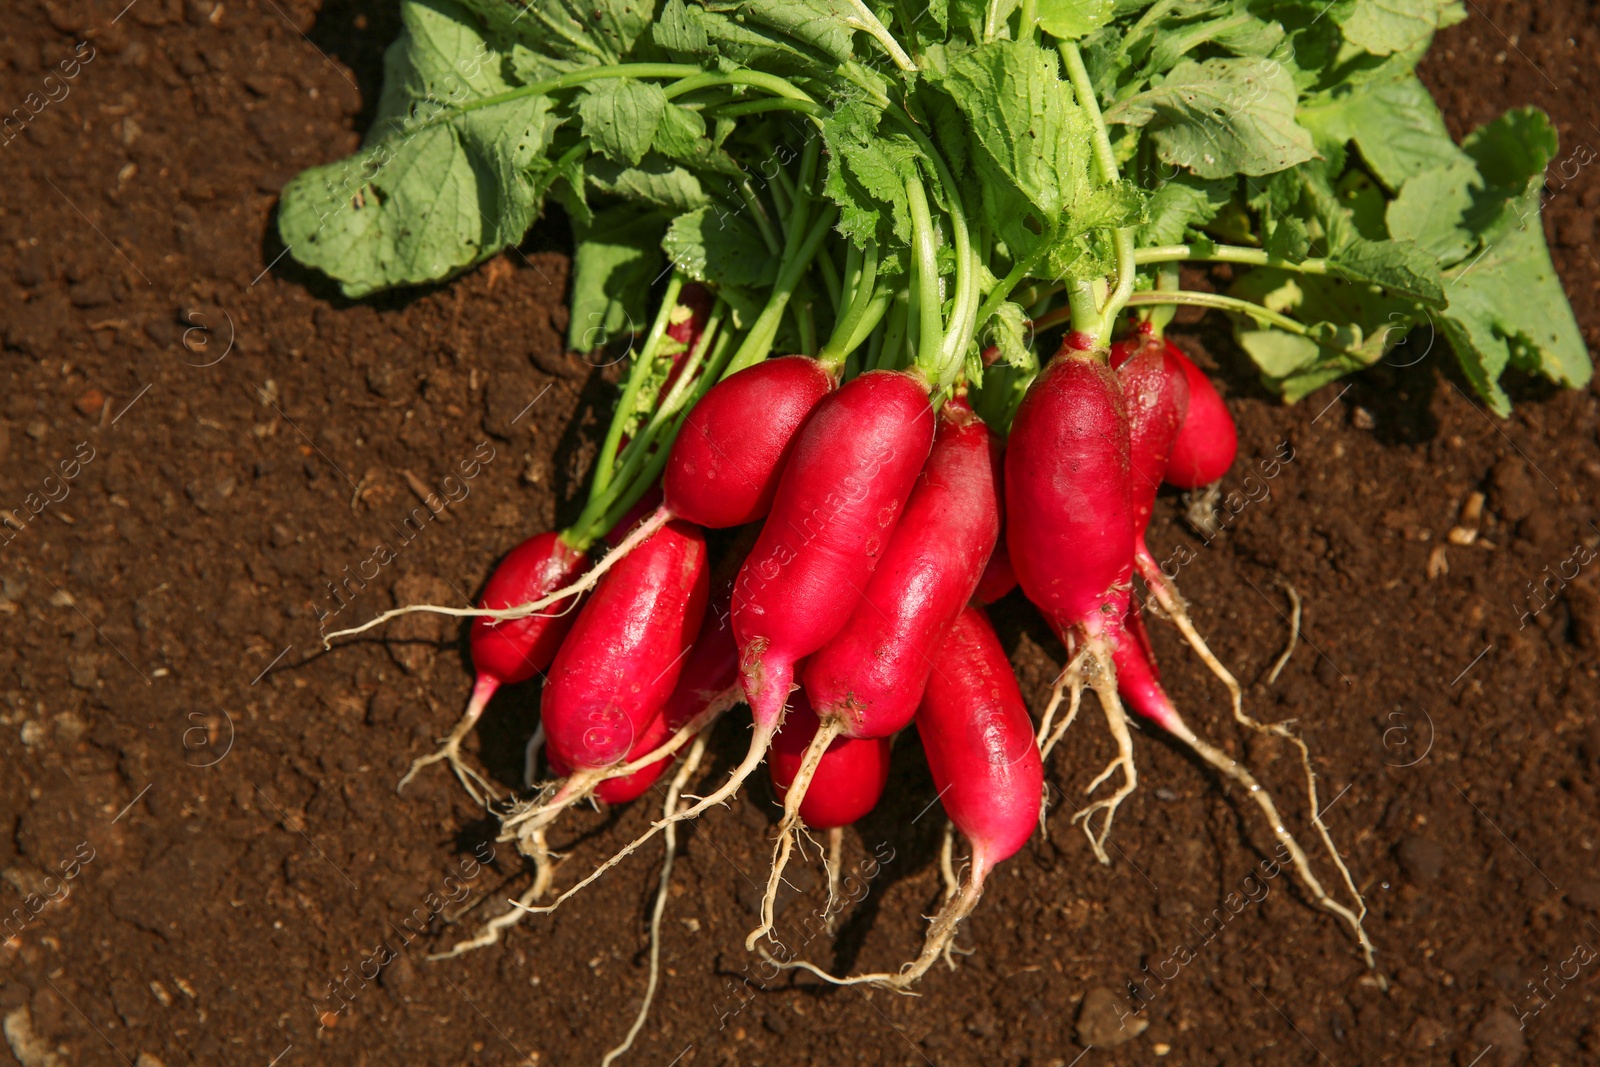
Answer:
(201, 832)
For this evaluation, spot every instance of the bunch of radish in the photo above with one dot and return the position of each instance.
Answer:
(879, 488)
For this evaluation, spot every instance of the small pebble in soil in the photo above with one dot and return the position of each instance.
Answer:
(1105, 1021)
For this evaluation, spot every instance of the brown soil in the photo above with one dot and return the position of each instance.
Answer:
(222, 793)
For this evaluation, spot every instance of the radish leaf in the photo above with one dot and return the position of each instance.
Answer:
(1221, 117)
(620, 116)
(434, 189)
(617, 257)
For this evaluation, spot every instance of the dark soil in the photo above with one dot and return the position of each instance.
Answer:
(221, 793)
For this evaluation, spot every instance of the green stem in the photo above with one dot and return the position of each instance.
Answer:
(606, 508)
(1085, 309)
(700, 79)
(630, 394)
(1019, 270)
(869, 321)
(965, 305)
(1256, 257)
(773, 103)
(1106, 163)
(865, 20)
(894, 334)
(1030, 15)
(1225, 303)
(831, 284)
(758, 342)
(849, 325)
(769, 233)
(930, 332)
(805, 321)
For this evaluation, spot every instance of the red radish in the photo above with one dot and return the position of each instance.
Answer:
(707, 686)
(867, 680)
(837, 507)
(623, 788)
(978, 738)
(1069, 511)
(513, 650)
(1070, 531)
(726, 461)
(621, 660)
(870, 675)
(1155, 392)
(847, 782)
(710, 675)
(1208, 441)
(838, 501)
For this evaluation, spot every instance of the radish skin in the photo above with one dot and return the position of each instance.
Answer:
(621, 660)
(1209, 440)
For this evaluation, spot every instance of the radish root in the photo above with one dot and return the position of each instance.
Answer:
(938, 943)
(1071, 679)
(791, 824)
(588, 581)
(490, 933)
(581, 784)
(1294, 630)
(691, 764)
(833, 863)
(450, 749)
(1173, 606)
(1104, 680)
(758, 748)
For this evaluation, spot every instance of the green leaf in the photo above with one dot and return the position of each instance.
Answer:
(713, 245)
(694, 31)
(551, 37)
(1288, 239)
(1185, 203)
(1514, 149)
(655, 182)
(1396, 126)
(1401, 267)
(1385, 26)
(1431, 207)
(434, 189)
(616, 259)
(620, 116)
(1507, 307)
(1025, 120)
(1221, 117)
(1072, 19)
(1009, 331)
(823, 25)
